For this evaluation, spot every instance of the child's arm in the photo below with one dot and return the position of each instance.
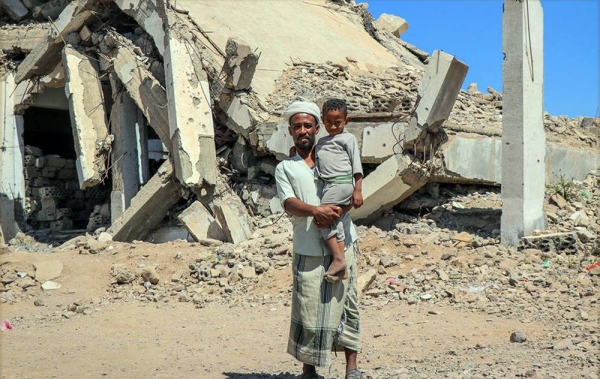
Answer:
(357, 198)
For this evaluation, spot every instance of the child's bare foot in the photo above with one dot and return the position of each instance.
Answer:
(337, 271)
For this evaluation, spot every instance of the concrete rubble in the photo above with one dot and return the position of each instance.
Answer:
(170, 116)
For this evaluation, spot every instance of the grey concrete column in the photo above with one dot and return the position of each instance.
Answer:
(125, 170)
(523, 136)
(12, 181)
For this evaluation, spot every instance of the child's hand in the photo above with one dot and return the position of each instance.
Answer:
(357, 199)
(292, 151)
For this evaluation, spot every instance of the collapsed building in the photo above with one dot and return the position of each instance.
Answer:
(160, 120)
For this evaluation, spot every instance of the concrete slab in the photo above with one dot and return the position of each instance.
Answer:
(479, 160)
(50, 10)
(234, 219)
(391, 182)
(392, 23)
(320, 35)
(14, 9)
(240, 64)
(168, 234)
(377, 141)
(381, 142)
(241, 118)
(147, 15)
(46, 55)
(200, 223)
(190, 114)
(148, 207)
(88, 120)
(439, 89)
(141, 85)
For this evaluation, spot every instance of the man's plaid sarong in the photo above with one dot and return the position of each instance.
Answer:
(323, 314)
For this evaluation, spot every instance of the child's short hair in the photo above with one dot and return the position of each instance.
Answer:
(335, 104)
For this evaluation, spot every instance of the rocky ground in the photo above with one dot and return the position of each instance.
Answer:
(442, 298)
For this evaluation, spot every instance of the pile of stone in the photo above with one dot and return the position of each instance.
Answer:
(182, 123)
(393, 90)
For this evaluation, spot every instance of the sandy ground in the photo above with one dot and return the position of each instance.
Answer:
(243, 336)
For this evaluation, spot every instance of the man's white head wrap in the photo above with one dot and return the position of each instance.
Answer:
(302, 107)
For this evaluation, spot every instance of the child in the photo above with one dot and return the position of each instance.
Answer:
(338, 165)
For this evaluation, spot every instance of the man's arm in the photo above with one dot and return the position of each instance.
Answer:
(324, 214)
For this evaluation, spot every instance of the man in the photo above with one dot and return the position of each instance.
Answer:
(323, 314)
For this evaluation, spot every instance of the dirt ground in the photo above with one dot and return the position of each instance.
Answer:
(242, 333)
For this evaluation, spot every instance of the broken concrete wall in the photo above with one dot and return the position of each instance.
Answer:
(24, 39)
(88, 120)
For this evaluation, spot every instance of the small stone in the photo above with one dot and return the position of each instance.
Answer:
(122, 274)
(149, 275)
(38, 303)
(385, 260)
(26, 282)
(50, 285)
(456, 205)
(517, 337)
(105, 237)
(442, 275)
(426, 296)
(565, 344)
(248, 272)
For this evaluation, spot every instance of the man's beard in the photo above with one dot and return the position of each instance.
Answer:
(305, 146)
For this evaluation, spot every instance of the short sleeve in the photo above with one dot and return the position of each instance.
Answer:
(284, 187)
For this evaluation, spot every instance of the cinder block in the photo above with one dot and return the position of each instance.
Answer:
(55, 161)
(49, 172)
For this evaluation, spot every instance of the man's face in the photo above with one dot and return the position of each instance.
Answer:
(303, 128)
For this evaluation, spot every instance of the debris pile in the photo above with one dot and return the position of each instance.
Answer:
(163, 115)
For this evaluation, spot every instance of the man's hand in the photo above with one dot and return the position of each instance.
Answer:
(357, 199)
(326, 214)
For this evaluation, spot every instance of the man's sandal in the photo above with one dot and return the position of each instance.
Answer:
(354, 374)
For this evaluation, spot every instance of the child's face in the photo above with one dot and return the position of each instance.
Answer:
(334, 122)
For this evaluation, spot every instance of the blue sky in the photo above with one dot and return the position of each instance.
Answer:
(472, 31)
